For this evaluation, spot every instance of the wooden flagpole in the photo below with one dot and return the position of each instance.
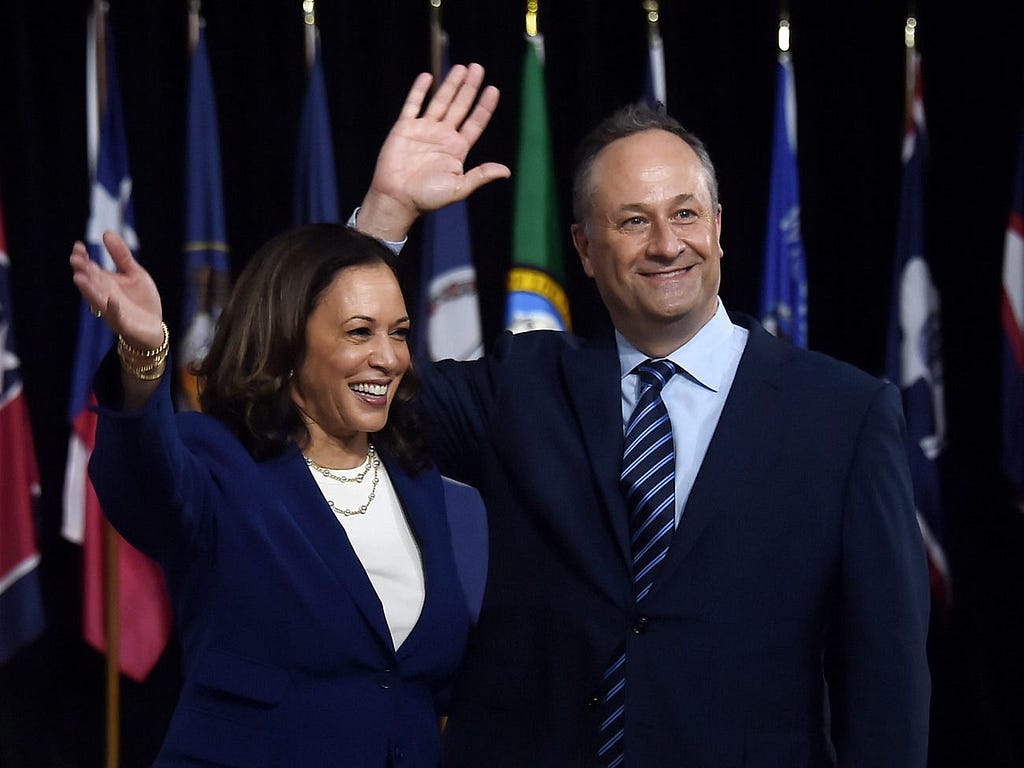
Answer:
(110, 542)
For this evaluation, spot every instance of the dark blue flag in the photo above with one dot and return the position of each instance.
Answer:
(316, 185)
(784, 284)
(449, 327)
(207, 268)
(914, 354)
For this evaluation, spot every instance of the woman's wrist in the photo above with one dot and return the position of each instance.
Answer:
(144, 364)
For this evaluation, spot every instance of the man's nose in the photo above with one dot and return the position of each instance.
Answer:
(664, 241)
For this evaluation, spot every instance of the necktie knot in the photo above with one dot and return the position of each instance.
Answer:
(655, 373)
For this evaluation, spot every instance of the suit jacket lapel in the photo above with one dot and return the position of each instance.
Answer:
(748, 412)
(593, 383)
(327, 538)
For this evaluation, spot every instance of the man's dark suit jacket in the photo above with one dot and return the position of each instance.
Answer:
(288, 659)
(788, 625)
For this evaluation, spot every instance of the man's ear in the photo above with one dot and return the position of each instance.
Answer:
(582, 244)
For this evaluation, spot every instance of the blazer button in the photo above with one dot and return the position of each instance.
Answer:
(641, 626)
(386, 679)
(592, 702)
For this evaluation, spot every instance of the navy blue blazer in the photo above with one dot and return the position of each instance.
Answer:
(288, 660)
(788, 625)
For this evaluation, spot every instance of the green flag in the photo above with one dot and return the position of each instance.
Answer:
(536, 298)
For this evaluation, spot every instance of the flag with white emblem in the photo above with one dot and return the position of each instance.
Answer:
(914, 355)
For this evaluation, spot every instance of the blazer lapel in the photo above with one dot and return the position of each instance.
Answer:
(748, 412)
(327, 537)
(593, 382)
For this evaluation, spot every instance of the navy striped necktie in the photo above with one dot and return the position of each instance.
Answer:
(648, 485)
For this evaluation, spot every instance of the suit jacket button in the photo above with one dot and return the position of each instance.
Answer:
(386, 679)
(592, 702)
(641, 626)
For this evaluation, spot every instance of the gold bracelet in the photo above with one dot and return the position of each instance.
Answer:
(144, 364)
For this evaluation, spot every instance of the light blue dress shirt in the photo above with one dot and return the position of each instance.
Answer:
(695, 397)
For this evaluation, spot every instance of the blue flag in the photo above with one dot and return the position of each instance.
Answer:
(316, 185)
(21, 599)
(784, 284)
(655, 91)
(1013, 338)
(450, 311)
(449, 308)
(914, 354)
(207, 268)
(144, 609)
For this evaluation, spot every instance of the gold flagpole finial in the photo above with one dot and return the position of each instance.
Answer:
(309, 20)
(436, 40)
(651, 8)
(531, 18)
(194, 22)
(784, 33)
(909, 32)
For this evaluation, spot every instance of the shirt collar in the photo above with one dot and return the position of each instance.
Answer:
(704, 358)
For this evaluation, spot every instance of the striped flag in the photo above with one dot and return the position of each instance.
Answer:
(914, 355)
(144, 610)
(536, 297)
(316, 184)
(21, 601)
(207, 269)
(784, 283)
(1013, 338)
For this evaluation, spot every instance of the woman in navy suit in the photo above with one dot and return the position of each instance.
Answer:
(299, 523)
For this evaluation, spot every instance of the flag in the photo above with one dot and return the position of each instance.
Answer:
(654, 74)
(449, 307)
(536, 298)
(21, 600)
(316, 186)
(1013, 338)
(144, 611)
(914, 355)
(784, 283)
(450, 310)
(207, 269)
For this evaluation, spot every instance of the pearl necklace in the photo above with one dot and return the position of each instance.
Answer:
(372, 462)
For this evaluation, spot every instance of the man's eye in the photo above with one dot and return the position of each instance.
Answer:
(633, 222)
(684, 214)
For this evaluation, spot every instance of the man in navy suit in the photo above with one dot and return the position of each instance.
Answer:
(786, 625)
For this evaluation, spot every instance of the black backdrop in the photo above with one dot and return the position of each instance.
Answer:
(848, 59)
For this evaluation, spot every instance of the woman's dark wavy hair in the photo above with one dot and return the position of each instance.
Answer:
(260, 340)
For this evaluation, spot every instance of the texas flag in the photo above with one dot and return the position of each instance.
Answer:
(143, 608)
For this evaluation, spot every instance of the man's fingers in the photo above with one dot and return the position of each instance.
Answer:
(445, 94)
(466, 94)
(481, 115)
(414, 101)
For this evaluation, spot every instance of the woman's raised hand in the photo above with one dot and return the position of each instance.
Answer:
(127, 299)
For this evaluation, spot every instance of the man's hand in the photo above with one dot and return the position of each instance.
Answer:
(420, 166)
